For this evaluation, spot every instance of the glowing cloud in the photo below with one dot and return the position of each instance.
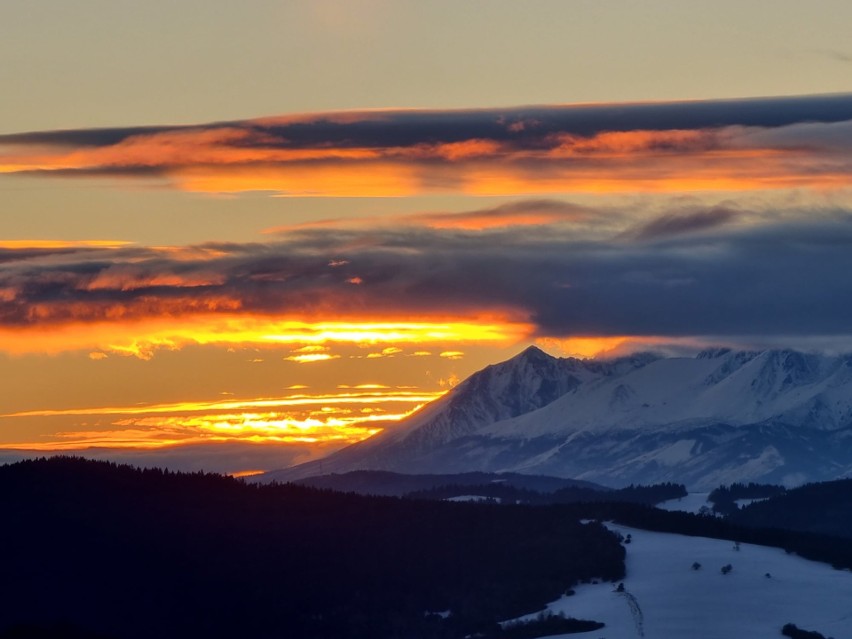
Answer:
(437, 290)
(725, 145)
(341, 418)
(143, 339)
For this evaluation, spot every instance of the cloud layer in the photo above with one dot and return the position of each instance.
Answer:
(676, 146)
(715, 271)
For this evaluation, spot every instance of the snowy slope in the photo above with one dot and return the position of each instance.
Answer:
(677, 602)
(719, 417)
(526, 382)
(717, 386)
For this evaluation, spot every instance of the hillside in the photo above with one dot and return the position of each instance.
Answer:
(377, 482)
(121, 553)
(824, 508)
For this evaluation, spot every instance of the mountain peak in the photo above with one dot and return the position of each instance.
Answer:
(720, 417)
(532, 353)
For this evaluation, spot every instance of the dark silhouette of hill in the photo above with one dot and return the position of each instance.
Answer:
(382, 482)
(112, 551)
(724, 498)
(824, 508)
(506, 493)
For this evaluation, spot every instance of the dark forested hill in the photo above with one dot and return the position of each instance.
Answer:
(382, 482)
(824, 508)
(571, 494)
(112, 551)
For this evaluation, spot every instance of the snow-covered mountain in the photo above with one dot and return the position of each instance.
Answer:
(719, 417)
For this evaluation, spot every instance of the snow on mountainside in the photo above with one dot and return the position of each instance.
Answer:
(737, 389)
(528, 381)
(719, 417)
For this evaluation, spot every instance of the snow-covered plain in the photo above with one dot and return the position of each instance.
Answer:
(678, 602)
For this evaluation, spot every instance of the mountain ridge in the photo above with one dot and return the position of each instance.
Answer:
(718, 417)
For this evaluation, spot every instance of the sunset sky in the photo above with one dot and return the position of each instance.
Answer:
(237, 236)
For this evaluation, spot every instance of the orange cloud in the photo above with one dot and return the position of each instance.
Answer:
(19, 245)
(370, 394)
(330, 179)
(129, 278)
(587, 347)
(615, 163)
(662, 147)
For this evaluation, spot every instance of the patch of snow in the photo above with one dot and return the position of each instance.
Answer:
(672, 455)
(443, 614)
(677, 602)
(692, 503)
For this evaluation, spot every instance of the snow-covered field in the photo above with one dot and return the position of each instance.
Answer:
(666, 598)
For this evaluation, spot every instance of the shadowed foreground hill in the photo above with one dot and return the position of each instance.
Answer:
(121, 552)
(822, 508)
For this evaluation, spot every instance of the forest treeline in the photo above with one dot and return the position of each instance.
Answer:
(508, 494)
(126, 553)
(724, 498)
(831, 549)
(822, 508)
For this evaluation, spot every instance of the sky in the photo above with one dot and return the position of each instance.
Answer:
(239, 236)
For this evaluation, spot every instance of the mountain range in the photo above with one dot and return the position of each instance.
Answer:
(721, 416)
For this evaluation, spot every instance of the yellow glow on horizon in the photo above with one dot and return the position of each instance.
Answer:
(375, 395)
(307, 358)
(403, 332)
(340, 419)
(142, 338)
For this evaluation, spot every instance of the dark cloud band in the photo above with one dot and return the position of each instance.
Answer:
(696, 276)
(403, 128)
(765, 143)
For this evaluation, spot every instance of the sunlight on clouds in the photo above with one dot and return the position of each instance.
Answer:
(143, 339)
(61, 244)
(340, 418)
(370, 398)
(585, 347)
(307, 358)
(589, 347)
(561, 158)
